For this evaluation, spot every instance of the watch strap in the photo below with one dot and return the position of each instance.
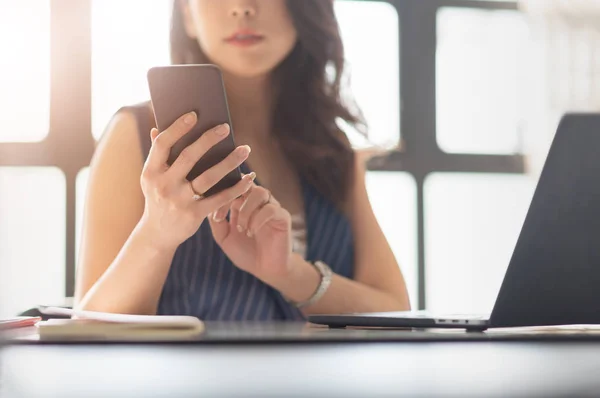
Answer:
(326, 276)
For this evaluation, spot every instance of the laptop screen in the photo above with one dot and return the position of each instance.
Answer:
(554, 274)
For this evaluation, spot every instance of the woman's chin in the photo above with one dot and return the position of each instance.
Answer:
(247, 71)
(244, 67)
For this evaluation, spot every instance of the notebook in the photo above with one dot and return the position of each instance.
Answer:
(91, 325)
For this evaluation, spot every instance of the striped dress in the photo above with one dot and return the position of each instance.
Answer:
(203, 282)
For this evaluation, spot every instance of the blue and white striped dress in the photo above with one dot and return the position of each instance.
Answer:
(203, 282)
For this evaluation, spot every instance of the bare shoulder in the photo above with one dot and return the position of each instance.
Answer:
(120, 136)
(118, 161)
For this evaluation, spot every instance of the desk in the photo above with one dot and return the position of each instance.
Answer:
(335, 366)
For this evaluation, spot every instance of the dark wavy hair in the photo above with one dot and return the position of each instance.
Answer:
(309, 104)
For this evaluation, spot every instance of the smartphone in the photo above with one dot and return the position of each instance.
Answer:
(178, 89)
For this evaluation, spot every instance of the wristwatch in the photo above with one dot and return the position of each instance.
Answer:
(326, 275)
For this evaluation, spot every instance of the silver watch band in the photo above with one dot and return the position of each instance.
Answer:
(326, 275)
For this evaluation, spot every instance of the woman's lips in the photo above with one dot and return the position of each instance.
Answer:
(244, 38)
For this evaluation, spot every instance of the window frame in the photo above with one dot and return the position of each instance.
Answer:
(419, 152)
(70, 145)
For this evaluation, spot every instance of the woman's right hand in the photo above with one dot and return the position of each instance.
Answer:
(171, 215)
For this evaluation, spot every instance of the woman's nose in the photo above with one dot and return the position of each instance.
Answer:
(243, 11)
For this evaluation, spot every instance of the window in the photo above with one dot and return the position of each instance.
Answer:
(472, 221)
(26, 219)
(24, 70)
(482, 76)
(472, 225)
(80, 195)
(374, 70)
(124, 46)
(394, 199)
(32, 237)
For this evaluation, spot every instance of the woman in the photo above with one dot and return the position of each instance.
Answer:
(301, 238)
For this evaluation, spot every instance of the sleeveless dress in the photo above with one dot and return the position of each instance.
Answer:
(204, 283)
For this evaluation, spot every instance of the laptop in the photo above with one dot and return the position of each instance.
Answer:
(553, 277)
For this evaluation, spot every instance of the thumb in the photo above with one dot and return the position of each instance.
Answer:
(220, 228)
(153, 134)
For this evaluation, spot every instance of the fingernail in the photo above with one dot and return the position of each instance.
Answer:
(190, 118)
(217, 218)
(223, 129)
(249, 234)
(153, 134)
(240, 229)
(252, 176)
(244, 151)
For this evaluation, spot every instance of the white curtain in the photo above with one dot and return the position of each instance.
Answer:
(566, 59)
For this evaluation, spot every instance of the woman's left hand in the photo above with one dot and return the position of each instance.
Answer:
(258, 237)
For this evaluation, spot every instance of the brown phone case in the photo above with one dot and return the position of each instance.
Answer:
(178, 89)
